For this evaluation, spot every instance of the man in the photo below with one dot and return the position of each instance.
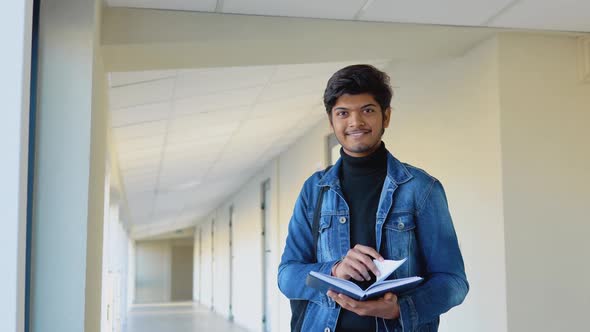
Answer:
(375, 208)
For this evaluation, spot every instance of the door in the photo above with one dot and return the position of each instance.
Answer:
(212, 264)
(267, 270)
(231, 263)
(182, 272)
(200, 271)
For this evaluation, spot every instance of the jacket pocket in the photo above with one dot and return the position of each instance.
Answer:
(325, 239)
(398, 239)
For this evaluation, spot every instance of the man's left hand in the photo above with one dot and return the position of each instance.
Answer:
(385, 307)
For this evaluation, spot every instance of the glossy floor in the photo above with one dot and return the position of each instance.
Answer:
(177, 317)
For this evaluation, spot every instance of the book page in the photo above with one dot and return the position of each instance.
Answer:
(391, 284)
(386, 268)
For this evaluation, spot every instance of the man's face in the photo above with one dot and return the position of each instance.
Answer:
(358, 123)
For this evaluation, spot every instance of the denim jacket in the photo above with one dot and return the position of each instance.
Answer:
(412, 221)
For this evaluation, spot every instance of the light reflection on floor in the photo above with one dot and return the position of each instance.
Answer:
(177, 317)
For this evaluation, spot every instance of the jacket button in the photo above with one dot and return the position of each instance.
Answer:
(342, 220)
(401, 226)
(327, 329)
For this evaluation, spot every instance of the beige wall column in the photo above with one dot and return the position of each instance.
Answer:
(70, 169)
(545, 111)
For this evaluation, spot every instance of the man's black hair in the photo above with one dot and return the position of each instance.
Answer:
(358, 79)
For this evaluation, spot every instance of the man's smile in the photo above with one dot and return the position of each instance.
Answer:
(357, 133)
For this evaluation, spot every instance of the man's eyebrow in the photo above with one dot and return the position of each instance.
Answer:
(369, 105)
(346, 108)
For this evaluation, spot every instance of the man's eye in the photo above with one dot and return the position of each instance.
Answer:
(369, 110)
(341, 113)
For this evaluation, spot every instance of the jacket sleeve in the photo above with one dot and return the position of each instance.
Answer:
(298, 258)
(445, 283)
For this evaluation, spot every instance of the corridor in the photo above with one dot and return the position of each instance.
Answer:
(183, 317)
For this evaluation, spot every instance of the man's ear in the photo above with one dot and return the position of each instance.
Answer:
(386, 117)
(330, 121)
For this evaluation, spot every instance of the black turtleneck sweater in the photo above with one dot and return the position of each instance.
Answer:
(362, 181)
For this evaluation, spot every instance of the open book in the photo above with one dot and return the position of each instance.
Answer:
(324, 282)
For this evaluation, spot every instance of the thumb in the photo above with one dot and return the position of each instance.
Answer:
(388, 296)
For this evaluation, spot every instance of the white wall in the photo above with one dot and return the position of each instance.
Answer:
(206, 265)
(221, 264)
(247, 280)
(130, 273)
(197, 266)
(446, 120)
(295, 166)
(115, 268)
(545, 136)
(15, 33)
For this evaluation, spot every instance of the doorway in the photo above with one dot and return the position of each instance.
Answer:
(231, 263)
(267, 271)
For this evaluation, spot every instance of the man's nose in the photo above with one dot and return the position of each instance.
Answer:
(355, 120)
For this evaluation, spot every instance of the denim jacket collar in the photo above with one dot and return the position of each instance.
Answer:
(397, 173)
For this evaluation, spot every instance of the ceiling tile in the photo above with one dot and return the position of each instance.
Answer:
(452, 12)
(139, 214)
(295, 87)
(144, 162)
(141, 183)
(196, 121)
(125, 78)
(136, 185)
(194, 5)
(297, 104)
(325, 69)
(192, 159)
(268, 127)
(192, 147)
(199, 82)
(168, 202)
(187, 166)
(217, 187)
(141, 196)
(139, 189)
(147, 142)
(141, 130)
(150, 153)
(222, 168)
(139, 114)
(564, 15)
(141, 94)
(221, 130)
(141, 174)
(196, 213)
(234, 99)
(179, 181)
(334, 9)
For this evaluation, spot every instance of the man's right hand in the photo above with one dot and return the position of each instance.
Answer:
(357, 263)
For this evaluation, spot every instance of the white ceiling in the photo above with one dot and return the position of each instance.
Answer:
(187, 139)
(563, 15)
